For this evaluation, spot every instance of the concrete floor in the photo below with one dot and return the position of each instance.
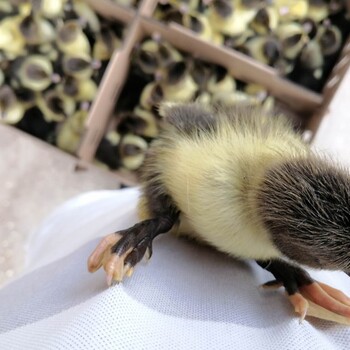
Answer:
(36, 178)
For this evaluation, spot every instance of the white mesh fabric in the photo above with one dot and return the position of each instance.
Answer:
(187, 297)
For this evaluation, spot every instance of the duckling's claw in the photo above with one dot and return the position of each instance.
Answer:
(300, 304)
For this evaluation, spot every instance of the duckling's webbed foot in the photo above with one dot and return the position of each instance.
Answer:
(308, 297)
(119, 252)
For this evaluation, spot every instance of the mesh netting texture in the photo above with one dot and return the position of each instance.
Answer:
(187, 296)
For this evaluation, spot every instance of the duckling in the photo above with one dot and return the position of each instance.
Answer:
(79, 66)
(265, 20)
(132, 150)
(70, 132)
(169, 14)
(308, 70)
(311, 58)
(199, 24)
(200, 72)
(292, 10)
(153, 56)
(149, 127)
(11, 110)
(12, 42)
(71, 40)
(34, 72)
(238, 41)
(330, 39)
(318, 10)
(151, 95)
(55, 106)
(49, 8)
(229, 18)
(293, 38)
(81, 90)
(178, 84)
(221, 81)
(265, 49)
(255, 190)
(87, 16)
(105, 45)
(36, 30)
(7, 9)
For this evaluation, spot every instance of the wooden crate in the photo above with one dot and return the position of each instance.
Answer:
(310, 105)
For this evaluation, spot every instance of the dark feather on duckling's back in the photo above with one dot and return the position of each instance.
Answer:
(305, 204)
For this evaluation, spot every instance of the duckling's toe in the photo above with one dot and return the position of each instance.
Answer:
(328, 298)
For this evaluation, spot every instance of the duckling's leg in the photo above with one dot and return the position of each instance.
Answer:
(119, 252)
(301, 287)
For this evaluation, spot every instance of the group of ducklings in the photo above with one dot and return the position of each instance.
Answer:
(53, 55)
(163, 73)
(296, 37)
(52, 58)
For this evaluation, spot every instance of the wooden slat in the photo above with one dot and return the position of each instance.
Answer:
(107, 95)
(109, 9)
(147, 8)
